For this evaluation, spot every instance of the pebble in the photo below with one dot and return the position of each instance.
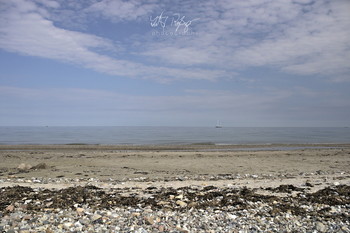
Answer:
(146, 219)
(196, 220)
(80, 210)
(10, 208)
(149, 220)
(321, 227)
(96, 217)
(181, 203)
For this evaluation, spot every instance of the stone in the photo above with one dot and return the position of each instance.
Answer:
(161, 228)
(80, 210)
(192, 204)
(49, 204)
(182, 230)
(67, 225)
(24, 167)
(26, 202)
(308, 184)
(96, 217)
(181, 203)
(135, 214)
(40, 166)
(163, 203)
(232, 216)
(149, 220)
(10, 208)
(321, 227)
(27, 217)
(24, 231)
(78, 224)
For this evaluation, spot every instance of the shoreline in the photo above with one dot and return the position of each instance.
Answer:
(175, 147)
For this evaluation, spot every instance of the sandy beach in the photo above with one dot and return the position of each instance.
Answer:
(168, 163)
(143, 172)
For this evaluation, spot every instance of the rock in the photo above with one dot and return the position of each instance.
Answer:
(182, 230)
(25, 231)
(26, 202)
(149, 220)
(321, 227)
(308, 184)
(24, 167)
(135, 214)
(40, 166)
(192, 204)
(163, 203)
(80, 210)
(181, 203)
(232, 216)
(49, 204)
(27, 217)
(96, 217)
(10, 208)
(161, 228)
(48, 230)
(67, 225)
(78, 224)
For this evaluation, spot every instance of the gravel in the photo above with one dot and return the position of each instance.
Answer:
(186, 209)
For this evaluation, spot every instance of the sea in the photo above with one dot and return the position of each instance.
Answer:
(118, 135)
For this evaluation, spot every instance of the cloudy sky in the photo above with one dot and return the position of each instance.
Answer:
(175, 63)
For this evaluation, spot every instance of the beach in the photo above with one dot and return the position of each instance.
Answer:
(174, 188)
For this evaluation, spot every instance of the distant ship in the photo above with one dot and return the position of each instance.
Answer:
(218, 125)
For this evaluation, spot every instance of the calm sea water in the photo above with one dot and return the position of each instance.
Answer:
(171, 135)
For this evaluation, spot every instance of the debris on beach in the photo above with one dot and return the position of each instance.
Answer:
(185, 209)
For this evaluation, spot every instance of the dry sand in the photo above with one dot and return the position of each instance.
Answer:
(267, 165)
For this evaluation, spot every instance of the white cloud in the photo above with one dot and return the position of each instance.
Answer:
(28, 32)
(317, 43)
(48, 3)
(300, 37)
(117, 10)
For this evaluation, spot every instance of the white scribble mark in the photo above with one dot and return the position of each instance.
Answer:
(177, 22)
(180, 21)
(159, 20)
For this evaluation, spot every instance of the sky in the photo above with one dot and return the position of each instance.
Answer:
(245, 63)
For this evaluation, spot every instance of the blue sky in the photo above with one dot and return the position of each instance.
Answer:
(175, 63)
